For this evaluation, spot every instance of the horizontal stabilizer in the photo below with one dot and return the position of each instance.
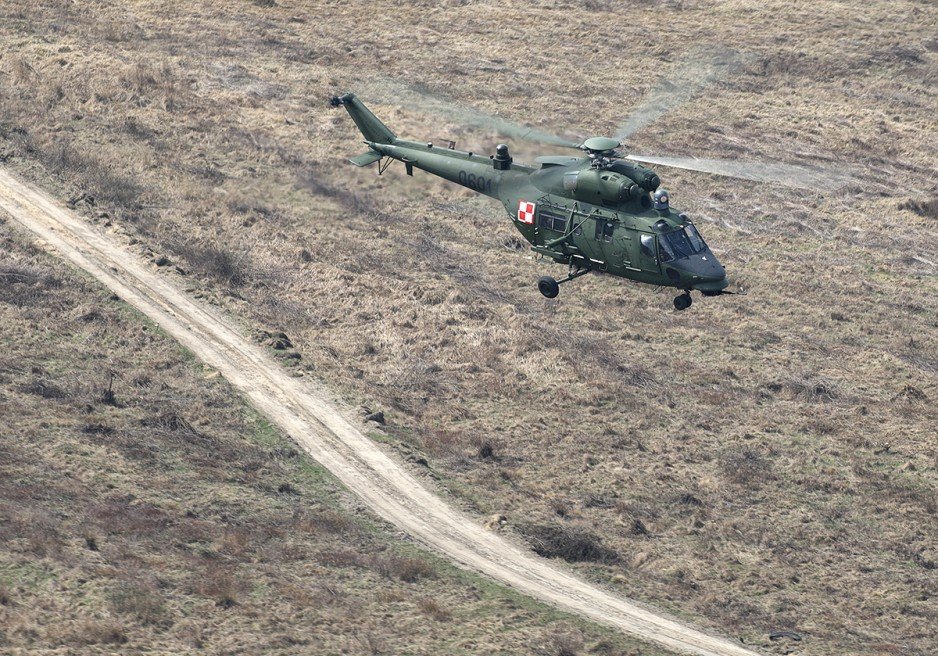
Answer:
(366, 158)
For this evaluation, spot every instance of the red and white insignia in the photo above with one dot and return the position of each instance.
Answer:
(526, 212)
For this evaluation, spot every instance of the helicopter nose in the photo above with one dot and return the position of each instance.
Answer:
(704, 271)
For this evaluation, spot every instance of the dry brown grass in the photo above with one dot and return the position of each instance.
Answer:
(165, 517)
(799, 419)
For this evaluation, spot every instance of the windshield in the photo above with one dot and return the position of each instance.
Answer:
(681, 243)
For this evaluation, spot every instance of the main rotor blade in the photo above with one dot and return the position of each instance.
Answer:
(804, 177)
(404, 95)
(699, 69)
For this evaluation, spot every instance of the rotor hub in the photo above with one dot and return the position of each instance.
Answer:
(601, 151)
(600, 145)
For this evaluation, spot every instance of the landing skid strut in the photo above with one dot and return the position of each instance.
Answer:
(550, 287)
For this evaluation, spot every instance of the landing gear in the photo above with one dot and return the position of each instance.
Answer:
(683, 301)
(548, 287)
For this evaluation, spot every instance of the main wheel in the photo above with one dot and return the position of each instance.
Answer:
(548, 287)
(682, 302)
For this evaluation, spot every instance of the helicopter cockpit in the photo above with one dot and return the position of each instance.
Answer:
(680, 243)
(688, 258)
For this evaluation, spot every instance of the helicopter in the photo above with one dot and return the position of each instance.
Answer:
(600, 212)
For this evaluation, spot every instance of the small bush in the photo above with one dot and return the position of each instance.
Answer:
(233, 269)
(572, 544)
(140, 601)
(434, 609)
(565, 644)
(812, 389)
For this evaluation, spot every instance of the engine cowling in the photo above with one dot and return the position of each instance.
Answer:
(602, 187)
(642, 176)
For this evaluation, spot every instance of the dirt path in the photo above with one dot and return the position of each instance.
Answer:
(314, 422)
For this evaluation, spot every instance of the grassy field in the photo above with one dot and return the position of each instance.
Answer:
(758, 463)
(145, 509)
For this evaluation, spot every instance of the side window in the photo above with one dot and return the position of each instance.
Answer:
(552, 221)
(604, 230)
(648, 246)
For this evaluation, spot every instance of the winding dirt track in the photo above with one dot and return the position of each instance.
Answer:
(310, 419)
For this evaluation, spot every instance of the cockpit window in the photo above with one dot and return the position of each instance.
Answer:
(695, 239)
(680, 243)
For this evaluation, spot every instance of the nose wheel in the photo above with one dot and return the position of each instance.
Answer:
(683, 301)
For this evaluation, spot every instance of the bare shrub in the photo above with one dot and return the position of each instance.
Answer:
(812, 388)
(52, 93)
(5, 598)
(147, 83)
(486, 449)
(115, 32)
(139, 600)
(565, 643)
(570, 543)
(122, 518)
(405, 568)
(434, 609)
(329, 594)
(232, 269)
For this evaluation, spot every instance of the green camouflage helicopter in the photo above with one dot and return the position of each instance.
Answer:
(596, 213)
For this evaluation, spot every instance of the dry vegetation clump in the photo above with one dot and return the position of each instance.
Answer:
(223, 265)
(144, 508)
(434, 609)
(564, 643)
(799, 417)
(570, 543)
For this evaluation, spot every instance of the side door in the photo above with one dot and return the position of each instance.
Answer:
(584, 230)
(648, 253)
(606, 234)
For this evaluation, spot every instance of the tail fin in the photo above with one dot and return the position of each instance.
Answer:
(368, 123)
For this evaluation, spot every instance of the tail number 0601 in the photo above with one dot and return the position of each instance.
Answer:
(473, 181)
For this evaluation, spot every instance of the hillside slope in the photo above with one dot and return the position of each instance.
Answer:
(763, 462)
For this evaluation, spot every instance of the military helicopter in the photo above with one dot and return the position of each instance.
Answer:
(600, 212)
